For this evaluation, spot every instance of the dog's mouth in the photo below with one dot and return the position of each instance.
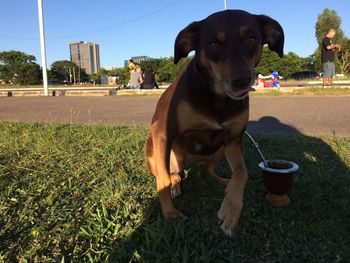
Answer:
(239, 94)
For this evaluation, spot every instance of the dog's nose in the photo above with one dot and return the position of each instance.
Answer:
(243, 81)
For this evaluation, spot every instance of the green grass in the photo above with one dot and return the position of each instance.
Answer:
(306, 91)
(81, 194)
(313, 91)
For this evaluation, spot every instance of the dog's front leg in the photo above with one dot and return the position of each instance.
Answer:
(161, 144)
(232, 204)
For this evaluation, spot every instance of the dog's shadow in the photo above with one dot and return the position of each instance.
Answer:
(314, 221)
(271, 125)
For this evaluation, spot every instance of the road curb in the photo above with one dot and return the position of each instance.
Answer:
(111, 91)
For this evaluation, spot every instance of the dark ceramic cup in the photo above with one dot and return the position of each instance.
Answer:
(278, 178)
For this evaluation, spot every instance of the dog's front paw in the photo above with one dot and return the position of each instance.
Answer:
(172, 214)
(175, 185)
(229, 214)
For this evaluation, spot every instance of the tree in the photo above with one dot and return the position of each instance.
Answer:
(180, 66)
(290, 63)
(122, 75)
(344, 56)
(269, 61)
(64, 70)
(30, 74)
(163, 67)
(325, 21)
(19, 68)
(314, 61)
(166, 70)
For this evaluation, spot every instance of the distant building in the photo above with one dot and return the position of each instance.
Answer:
(110, 68)
(138, 59)
(104, 79)
(86, 55)
(109, 80)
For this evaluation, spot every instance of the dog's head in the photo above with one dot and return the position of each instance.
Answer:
(228, 46)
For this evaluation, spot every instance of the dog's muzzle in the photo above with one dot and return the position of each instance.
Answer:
(239, 87)
(238, 93)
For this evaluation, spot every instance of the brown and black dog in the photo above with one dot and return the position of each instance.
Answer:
(203, 115)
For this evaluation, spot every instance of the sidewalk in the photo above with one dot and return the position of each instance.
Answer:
(112, 91)
(313, 115)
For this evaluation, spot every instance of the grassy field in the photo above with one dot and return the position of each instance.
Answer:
(306, 91)
(81, 194)
(312, 91)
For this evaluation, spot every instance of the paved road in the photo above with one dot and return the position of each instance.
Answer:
(273, 115)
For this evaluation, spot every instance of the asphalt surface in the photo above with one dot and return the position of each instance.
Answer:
(271, 115)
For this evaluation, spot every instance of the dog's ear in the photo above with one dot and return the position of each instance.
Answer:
(186, 41)
(272, 33)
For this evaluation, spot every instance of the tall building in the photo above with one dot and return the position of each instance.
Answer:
(138, 59)
(86, 55)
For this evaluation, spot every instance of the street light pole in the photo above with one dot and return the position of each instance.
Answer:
(42, 47)
(225, 4)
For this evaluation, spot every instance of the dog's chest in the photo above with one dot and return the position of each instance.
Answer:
(190, 119)
(198, 134)
(201, 142)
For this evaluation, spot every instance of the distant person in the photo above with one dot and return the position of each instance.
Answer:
(131, 66)
(149, 79)
(136, 79)
(327, 57)
(275, 80)
(260, 82)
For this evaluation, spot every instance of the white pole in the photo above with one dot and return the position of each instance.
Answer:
(42, 47)
(225, 4)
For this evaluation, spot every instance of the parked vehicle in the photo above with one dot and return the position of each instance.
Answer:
(308, 74)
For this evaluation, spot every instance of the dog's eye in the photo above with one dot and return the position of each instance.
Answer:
(214, 44)
(252, 39)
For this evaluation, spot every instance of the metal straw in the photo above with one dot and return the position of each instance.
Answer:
(256, 145)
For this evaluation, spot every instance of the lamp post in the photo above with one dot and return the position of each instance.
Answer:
(42, 46)
(225, 4)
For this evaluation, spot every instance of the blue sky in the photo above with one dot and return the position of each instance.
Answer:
(125, 28)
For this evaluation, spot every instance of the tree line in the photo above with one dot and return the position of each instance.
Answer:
(19, 68)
